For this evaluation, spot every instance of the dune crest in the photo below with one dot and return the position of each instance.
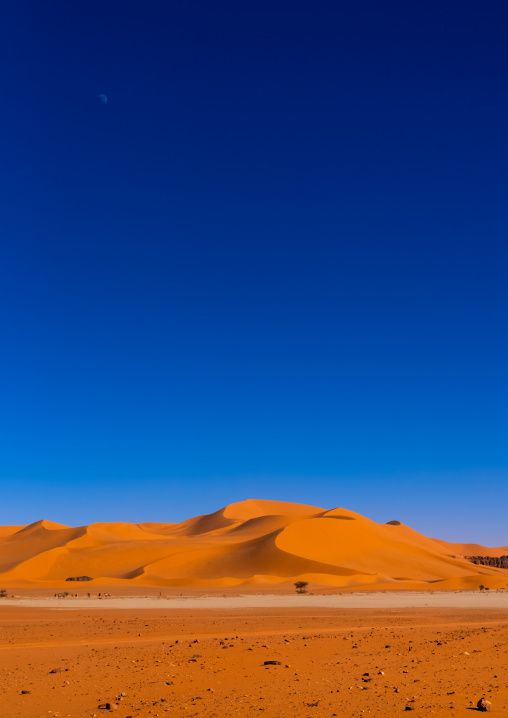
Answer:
(250, 542)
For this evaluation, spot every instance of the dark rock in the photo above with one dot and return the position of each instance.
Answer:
(494, 561)
(25, 693)
(272, 663)
(484, 705)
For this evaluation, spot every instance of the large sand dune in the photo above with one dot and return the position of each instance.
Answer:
(251, 542)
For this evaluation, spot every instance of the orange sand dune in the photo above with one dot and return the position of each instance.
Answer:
(245, 543)
(473, 549)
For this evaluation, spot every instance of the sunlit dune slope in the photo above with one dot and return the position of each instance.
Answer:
(472, 549)
(245, 543)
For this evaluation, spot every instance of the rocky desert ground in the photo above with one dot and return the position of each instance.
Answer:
(306, 662)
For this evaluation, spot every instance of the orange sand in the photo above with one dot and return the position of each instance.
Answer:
(246, 544)
(345, 663)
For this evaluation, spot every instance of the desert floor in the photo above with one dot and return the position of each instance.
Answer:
(229, 598)
(209, 662)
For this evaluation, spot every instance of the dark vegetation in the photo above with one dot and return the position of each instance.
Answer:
(79, 578)
(301, 586)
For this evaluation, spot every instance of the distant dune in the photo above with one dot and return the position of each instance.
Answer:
(251, 542)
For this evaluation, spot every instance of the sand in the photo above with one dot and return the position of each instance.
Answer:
(245, 545)
(189, 613)
(482, 600)
(331, 661)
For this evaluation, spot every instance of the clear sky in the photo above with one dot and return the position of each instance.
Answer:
(273, 264)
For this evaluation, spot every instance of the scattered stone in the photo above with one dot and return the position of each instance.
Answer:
(484, 705)
(272, 663)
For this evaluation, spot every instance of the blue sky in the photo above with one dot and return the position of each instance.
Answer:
(272, 265)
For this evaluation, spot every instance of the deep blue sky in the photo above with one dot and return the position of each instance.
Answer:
(273, 265)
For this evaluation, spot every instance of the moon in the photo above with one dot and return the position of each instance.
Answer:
(103, 99)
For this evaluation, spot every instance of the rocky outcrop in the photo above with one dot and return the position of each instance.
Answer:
(494, 561)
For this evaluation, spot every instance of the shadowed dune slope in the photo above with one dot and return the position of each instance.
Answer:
(249, 542)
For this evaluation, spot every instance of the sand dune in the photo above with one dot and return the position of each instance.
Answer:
(245, 543)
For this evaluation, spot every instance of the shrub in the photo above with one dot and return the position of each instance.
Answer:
(301, 586)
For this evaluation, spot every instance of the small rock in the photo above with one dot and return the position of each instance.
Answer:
(484, 705)
(272, 663)
(25, 693)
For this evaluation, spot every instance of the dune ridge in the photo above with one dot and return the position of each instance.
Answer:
(252, 542)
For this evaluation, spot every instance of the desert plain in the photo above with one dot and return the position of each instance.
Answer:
(201, 618)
